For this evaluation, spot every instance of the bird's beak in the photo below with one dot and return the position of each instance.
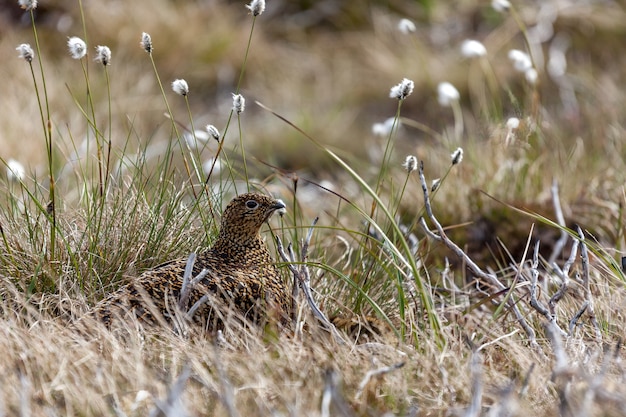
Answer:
(278, 205)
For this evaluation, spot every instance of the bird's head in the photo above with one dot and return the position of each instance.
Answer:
(245, 214)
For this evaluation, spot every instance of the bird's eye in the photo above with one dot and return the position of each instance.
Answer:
(251, 204)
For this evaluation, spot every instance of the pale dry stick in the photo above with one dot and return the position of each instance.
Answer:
(558, 211)
(534, 302)
(491, 278)
(227, 396)
(173, 405)
(188, 285)
(496, 340)
(376, 373)
(564, 275)
(476, 371)
(185, 290)
(595, 384)
(562, 360)
(524, 388)
(577, 316)
(303, 278)
(331, 395)
(584, 256)
(25, 410)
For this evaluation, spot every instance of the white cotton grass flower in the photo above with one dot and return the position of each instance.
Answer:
(447, 94)
(406, 26)
(77, 47)
(141, 397)
(512, 123)
(180, 87)
(435, 184)
(384, 129)
(410, 163)
(457, 156)
(531, 76)
(213, 132)
(26, 52)
(239, 103)
(521, 60)
(28, 4)
(15, 171)
(402, 90)
(256, 7)
(207, 165)
(473, 49)
(146, 42)
(196, 139)
(103, 55)
(501, 6)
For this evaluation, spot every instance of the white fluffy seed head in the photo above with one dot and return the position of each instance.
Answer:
(473, 49)
(457, 156)
(410, 163)
(212, 163)
(239, 103)
(28, 4)
(256, 7)
(213, 132)
(531, 76)
(384, 129)
(77, 47)
(146, 42)
(180, 87)
(521, 60)
(103, 55)
(501, 6)
(26, 52)
(15, 171)
(512, 123)
(447, 94)
(406, 26)
(402, 90)
(435, 184)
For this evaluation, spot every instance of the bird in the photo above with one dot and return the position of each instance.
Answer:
(236, 275)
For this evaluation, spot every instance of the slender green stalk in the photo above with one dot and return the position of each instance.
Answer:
(47, 129)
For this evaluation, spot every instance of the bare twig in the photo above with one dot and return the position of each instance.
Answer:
(227, 395)
(185, 290)
(556, 202)
(564, 275)
(375, 373)
(476, 370)
(303, 278)
(536, 304)
(331, 395)
(524, 388)
(584, 256)
(476, 270)
(562, 360)
(534, 275)
(173, 405)
(197, 305)
(574, 320)
(189, 283)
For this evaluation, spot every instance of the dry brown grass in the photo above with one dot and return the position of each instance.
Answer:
(328, 71)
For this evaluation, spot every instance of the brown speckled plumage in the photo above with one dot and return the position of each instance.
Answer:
(241, 278)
